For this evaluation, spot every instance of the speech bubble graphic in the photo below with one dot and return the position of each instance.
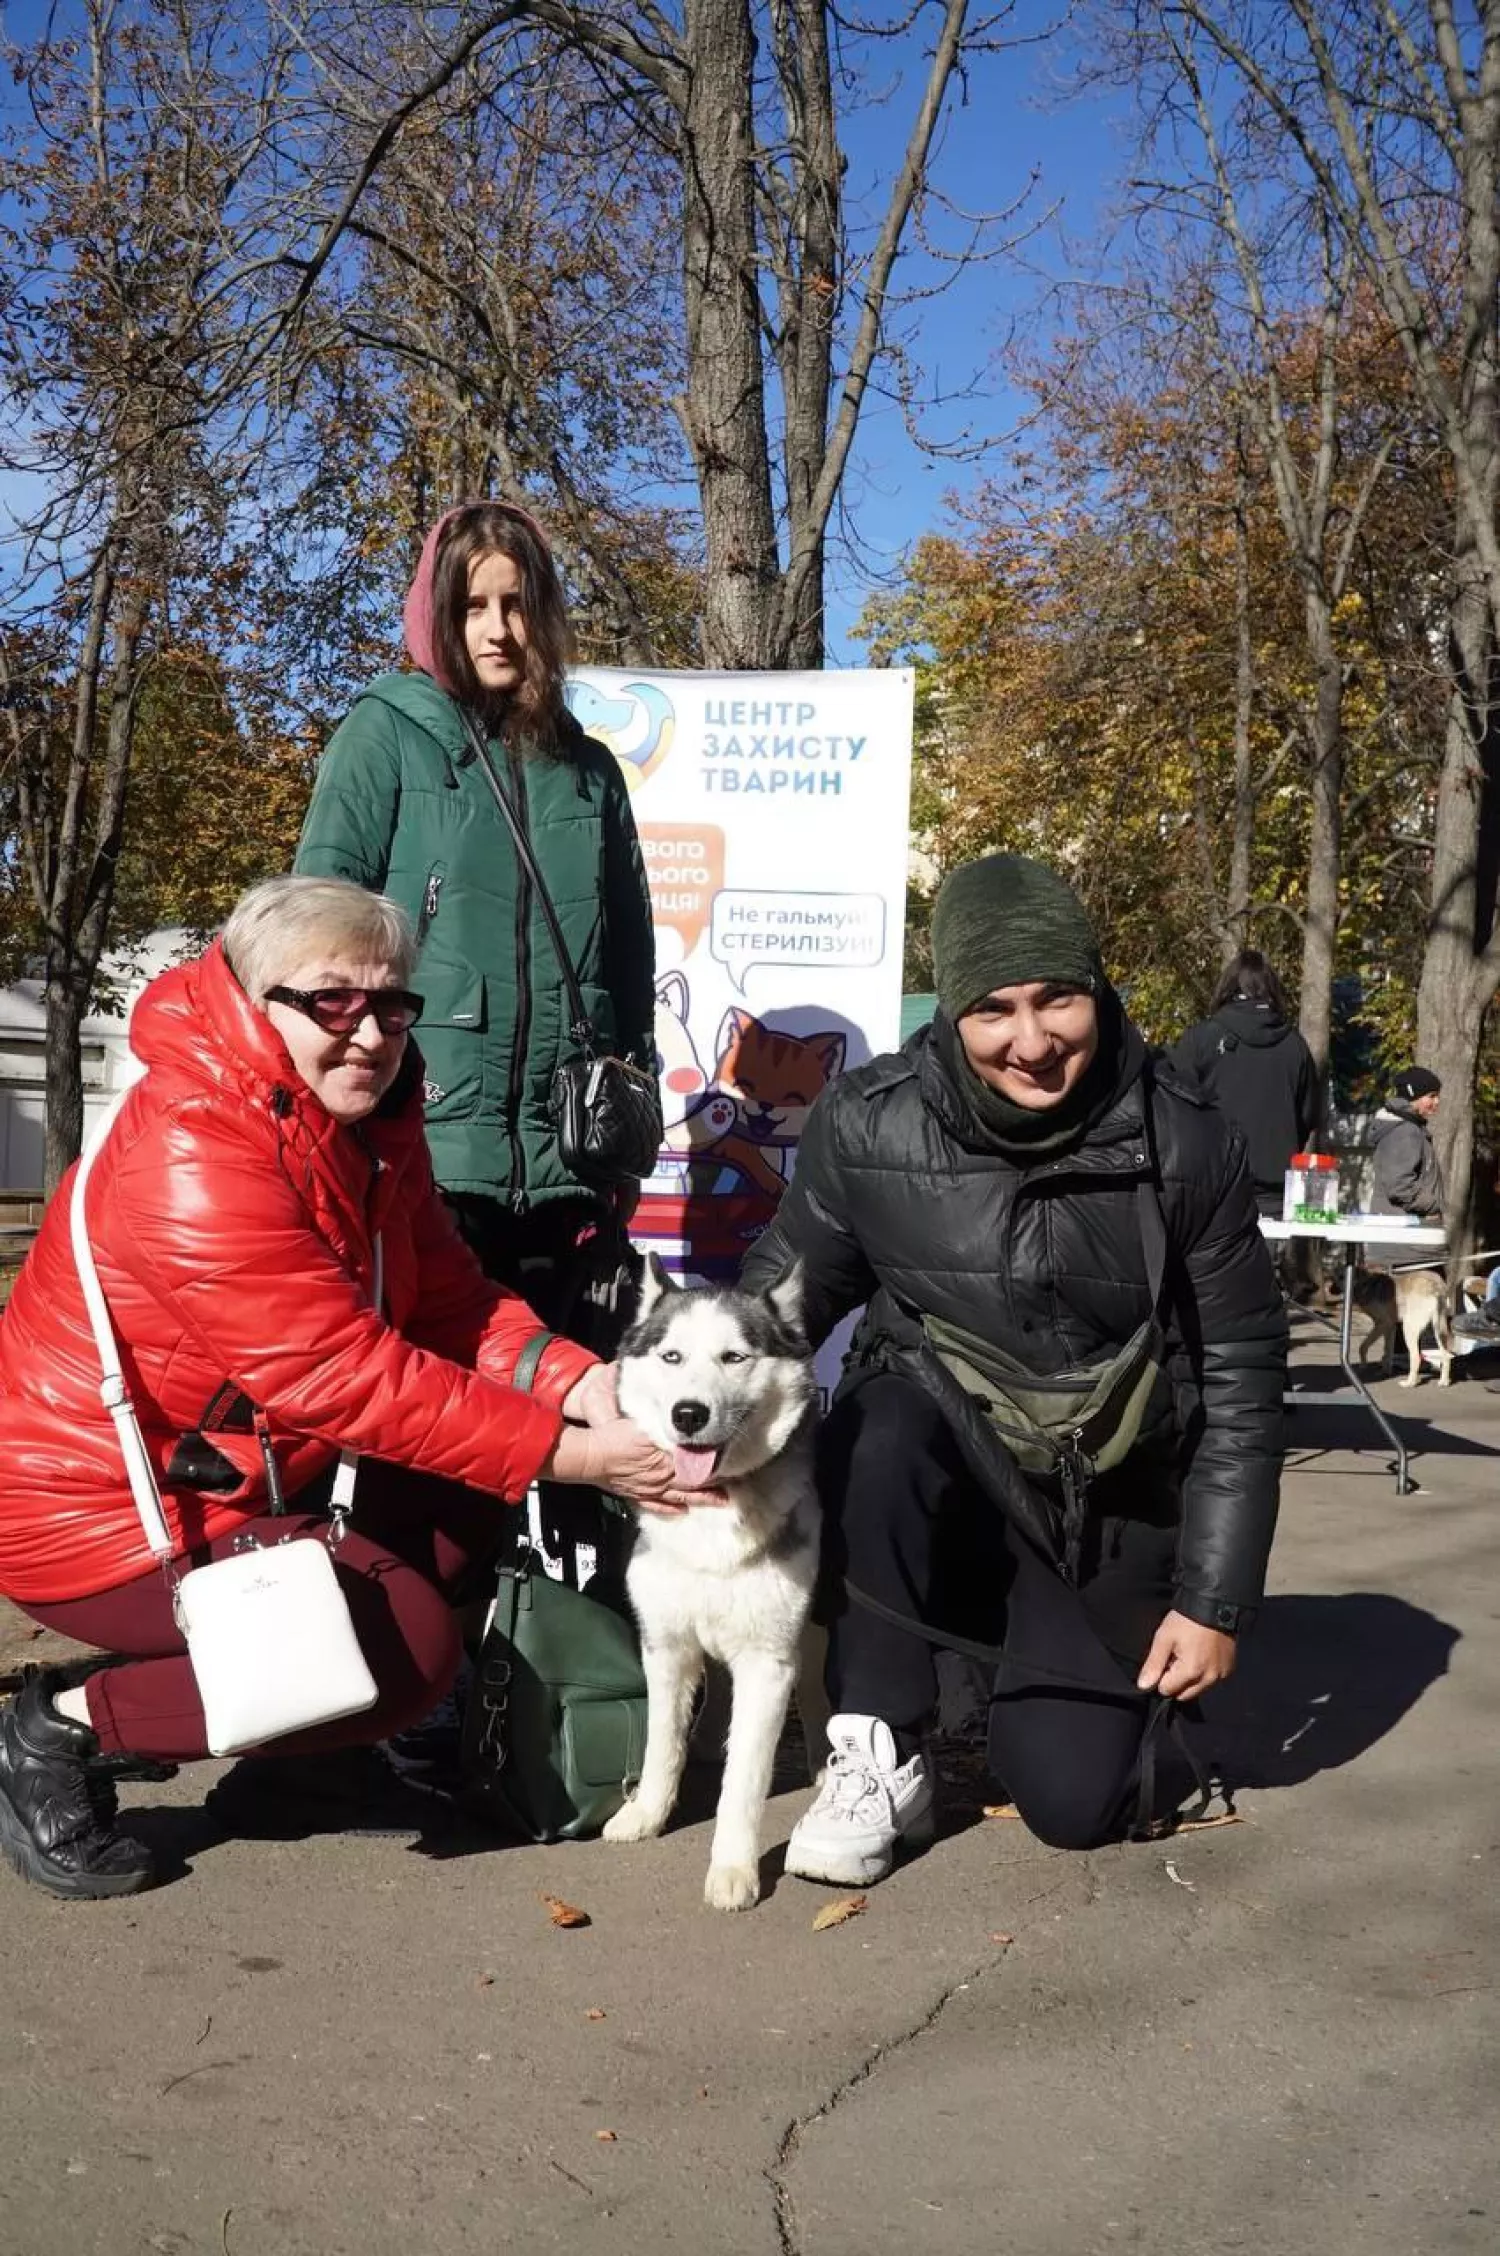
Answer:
(816, 931)
(684, 869)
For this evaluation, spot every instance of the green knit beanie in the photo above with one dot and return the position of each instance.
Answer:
(1004, 921)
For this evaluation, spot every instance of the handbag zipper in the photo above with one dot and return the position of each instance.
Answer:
(275, 1495)
(518, 1199)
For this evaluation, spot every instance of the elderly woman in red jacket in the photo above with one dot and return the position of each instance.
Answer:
(233, 1214)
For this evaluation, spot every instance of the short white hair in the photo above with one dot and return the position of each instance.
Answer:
(281, 922)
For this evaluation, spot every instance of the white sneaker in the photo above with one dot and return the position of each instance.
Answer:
(868, 1806)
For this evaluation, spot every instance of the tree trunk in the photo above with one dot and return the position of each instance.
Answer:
(809, 299)
(66, 999)
(79, 921)
(1236, 928)
(1325, 842)
(1456, 989)
(724, 411)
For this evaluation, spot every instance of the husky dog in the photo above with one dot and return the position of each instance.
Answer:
(1408, 1300)
(723, 1380)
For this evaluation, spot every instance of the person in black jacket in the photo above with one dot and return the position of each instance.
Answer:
(1258, 1070)
(1058, 1250)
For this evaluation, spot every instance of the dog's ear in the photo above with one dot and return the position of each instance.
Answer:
(787, 1297)
(654, 1282)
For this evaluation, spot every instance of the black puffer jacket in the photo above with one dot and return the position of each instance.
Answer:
(1261, 1075)
(900, 1200)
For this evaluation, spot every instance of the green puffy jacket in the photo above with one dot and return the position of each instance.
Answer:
(401, 806)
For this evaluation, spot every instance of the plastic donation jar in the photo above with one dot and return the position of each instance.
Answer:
(1310, 1190)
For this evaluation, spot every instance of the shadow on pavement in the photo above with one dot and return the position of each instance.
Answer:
(177, 1833)
(1320, 1680)
(1313, 1430)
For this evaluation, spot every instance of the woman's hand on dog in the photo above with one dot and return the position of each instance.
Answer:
(594, 1401)
(1186, 1657)
(618, 1456)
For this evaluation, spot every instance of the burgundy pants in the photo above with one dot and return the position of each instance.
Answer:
(411, 1550)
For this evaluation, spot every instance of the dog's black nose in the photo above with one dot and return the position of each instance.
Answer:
(690, 1417)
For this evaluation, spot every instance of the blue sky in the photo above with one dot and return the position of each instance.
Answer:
(1013, 121)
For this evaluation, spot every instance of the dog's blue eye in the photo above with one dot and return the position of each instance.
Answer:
(733, 1355)
(671, 1355)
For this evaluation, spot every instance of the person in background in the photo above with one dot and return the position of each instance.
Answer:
(233, 1215)
(1260, 1073)
(1408, 1177)
(1032, 1214)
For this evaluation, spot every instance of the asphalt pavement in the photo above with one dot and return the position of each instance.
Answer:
(1275, 2035)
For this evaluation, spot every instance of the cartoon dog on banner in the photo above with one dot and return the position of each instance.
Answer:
(728, 1134)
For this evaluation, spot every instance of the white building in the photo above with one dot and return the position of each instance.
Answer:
(107, 1064)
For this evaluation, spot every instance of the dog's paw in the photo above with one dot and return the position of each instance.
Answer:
(636, 1821)
(1414, 1380)
(731, 1887)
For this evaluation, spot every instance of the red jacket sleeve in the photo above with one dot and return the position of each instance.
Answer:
(464, 1315)
(211, 1226)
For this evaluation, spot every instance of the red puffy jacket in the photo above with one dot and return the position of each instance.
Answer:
(233, 1221)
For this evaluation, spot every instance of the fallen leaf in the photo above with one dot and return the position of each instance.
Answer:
(1004, 1941)
(594, 2013)
(1000, 1809)
(608, 2136)
(703, 2091)
(834, 1914)
(1174, 1874)
(565, 1914)
(485, 1982)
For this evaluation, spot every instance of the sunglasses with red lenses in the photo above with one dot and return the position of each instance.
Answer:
(339, 1010)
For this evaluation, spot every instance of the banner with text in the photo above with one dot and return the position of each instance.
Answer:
(773, 816)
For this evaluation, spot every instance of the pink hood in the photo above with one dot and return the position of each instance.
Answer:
(416, 615)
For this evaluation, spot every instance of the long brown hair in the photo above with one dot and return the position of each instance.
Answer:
(1250, 979)
(534, 709)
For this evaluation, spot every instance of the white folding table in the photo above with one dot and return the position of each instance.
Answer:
(1351, 1233)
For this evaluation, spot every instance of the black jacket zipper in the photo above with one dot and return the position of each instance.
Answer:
(518, 1198)
(430, 894)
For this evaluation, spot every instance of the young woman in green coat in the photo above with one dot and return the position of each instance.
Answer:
(402, 805)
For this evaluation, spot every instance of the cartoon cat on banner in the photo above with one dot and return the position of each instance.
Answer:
(773, 815)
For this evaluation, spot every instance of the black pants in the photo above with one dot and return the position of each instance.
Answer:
(906, 1522)
(551, 1256)
(571, 1262)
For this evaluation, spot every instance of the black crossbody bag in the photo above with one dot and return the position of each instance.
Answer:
(606, 1111)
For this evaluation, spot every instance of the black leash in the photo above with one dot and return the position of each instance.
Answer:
(1164, 1720)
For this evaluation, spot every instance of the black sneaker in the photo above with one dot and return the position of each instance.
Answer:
(1482, 1323)
(107, 1773)
(429, 1755)
(54, 1827)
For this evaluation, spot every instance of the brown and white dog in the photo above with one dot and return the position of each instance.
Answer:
(1411, 1301)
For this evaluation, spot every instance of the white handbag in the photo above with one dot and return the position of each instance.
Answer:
(268, 1630)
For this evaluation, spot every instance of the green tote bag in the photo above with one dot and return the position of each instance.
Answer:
(555, 1726)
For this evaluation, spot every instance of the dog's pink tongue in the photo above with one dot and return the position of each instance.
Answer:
(695, 1467)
